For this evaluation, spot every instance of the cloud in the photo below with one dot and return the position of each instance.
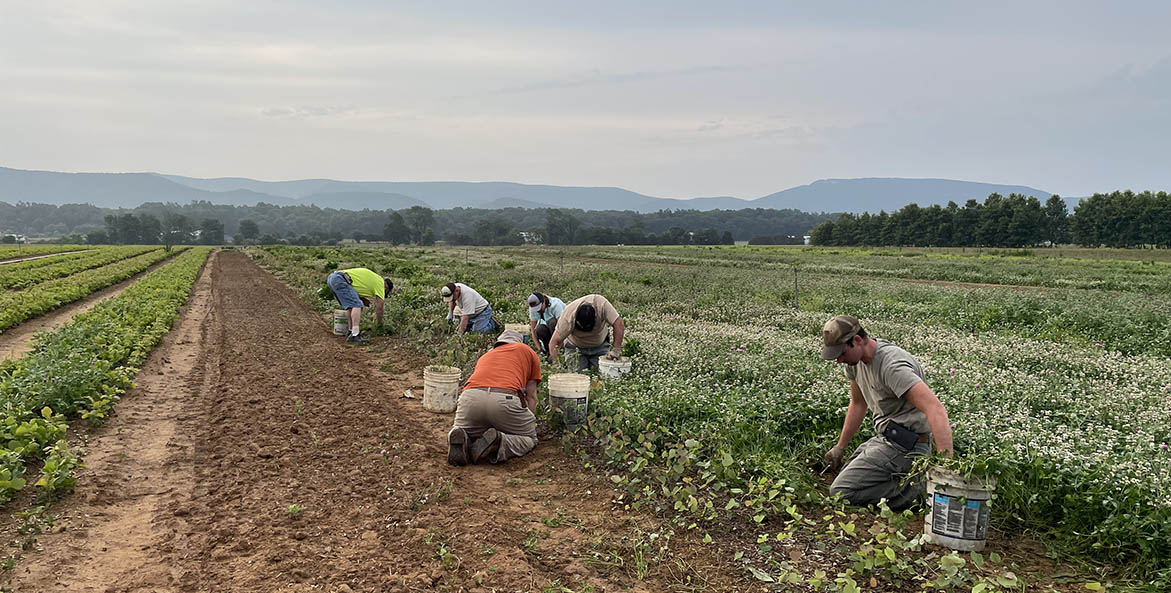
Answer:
(712, 125)
(307, 111)
(596, 77)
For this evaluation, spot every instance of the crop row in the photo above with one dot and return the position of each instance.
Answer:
(19, 305)
(27, 274)
(8, 252)
(81, 369)
(1078, 431)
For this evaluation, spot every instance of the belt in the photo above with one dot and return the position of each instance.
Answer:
(923, 438)
(347, 277)
(499, 390)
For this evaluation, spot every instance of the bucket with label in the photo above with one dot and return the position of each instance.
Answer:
(569, 394)
(613, 369)
(341, 322)
(440, 388)
(958, 511)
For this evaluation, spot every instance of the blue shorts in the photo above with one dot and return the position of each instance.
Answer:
(347, 297)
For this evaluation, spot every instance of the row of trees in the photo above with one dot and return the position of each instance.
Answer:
(1119, 219)
(1013, 221)
(147, 229)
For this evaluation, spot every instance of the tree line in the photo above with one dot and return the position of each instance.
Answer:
(1118, 219)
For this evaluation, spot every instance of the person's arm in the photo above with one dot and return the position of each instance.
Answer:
(532, 327)
(855, 414)
(619, 332)
(531, 396)
(921, 396)
(451, 310)
(378, 310)
(555, 345)
(463, 323)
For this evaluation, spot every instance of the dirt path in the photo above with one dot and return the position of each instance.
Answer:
(251, 406)
(31, 258)
(15, 341)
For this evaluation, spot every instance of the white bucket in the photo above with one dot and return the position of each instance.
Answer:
(958, 511)
(341, 322)
(570, 393)
(440, 388)
(613, 369)
(523, 328)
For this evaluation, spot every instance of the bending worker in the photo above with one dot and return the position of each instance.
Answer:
(584, 327)
(354, 288)
(494, 419)
(544, 312)
(888, 381)
(475, 312)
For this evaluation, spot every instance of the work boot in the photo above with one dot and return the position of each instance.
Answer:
(358, 339)
(486, 447)
(457, 447)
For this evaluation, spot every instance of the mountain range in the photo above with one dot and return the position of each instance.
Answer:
(128, 190)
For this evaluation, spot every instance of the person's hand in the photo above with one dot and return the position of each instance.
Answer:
(833, 458)
(450, 317)
(614, 354)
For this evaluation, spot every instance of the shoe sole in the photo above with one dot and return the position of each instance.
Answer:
(484, 445)
(457, 447)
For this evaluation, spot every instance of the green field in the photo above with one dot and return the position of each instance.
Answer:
(1053, 369)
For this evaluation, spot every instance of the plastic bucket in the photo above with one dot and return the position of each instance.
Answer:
(341, 322)
(523, 328)
(570, 393)
(613, 369)
(958, 512)
(440, 388)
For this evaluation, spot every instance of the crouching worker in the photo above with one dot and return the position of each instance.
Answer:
(888, 381)
(475, 312)
(494, 419)
(584, 327)
(354, 289)
(544, 312)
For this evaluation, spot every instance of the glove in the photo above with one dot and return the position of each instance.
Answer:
(450, 317)
(833, 458)
(614, 354)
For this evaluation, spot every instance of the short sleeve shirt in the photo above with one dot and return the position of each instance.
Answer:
(552, 311)
(607, 315)
(366, 283)
(507, 366)
(884, 381)
(470, 302)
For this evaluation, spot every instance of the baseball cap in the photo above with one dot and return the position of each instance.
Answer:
(446, 291)
(509, 336)
(836, 333)
(535, 302)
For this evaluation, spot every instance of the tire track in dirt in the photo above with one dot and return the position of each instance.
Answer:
(190, 486)
(17, 341)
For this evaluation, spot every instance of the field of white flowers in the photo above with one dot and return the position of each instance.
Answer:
(1059, 385)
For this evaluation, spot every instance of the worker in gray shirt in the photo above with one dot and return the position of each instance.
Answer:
(888, 381)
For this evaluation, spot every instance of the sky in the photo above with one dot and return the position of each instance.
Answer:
(667, 98)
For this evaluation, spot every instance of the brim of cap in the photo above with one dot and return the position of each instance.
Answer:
(832, 352)
(447, 299)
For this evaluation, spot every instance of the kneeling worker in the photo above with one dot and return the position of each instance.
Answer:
(475, 312)
(494, 419)
(888, 381)
(585, 325)
(544, 312)
(355, 288)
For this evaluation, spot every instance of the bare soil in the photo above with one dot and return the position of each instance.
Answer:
(261, 453)
(16, 341)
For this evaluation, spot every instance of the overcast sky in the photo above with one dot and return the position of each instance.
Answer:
(671, 99)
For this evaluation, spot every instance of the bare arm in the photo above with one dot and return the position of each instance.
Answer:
(555, 345)
(855, 414)
(463, 323)
(923, 398)
(378, 310)
(532, 327)
(531, 396)
(619, 332)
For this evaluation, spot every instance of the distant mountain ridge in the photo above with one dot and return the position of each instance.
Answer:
(129, 190)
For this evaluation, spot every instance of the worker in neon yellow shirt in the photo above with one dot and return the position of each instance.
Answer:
(354, 289)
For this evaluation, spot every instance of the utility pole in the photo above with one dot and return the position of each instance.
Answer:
(796, 303)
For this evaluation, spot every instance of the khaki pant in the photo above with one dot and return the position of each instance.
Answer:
(478, 410)
(877, 471)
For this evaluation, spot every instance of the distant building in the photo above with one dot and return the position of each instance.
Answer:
(808, 239)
